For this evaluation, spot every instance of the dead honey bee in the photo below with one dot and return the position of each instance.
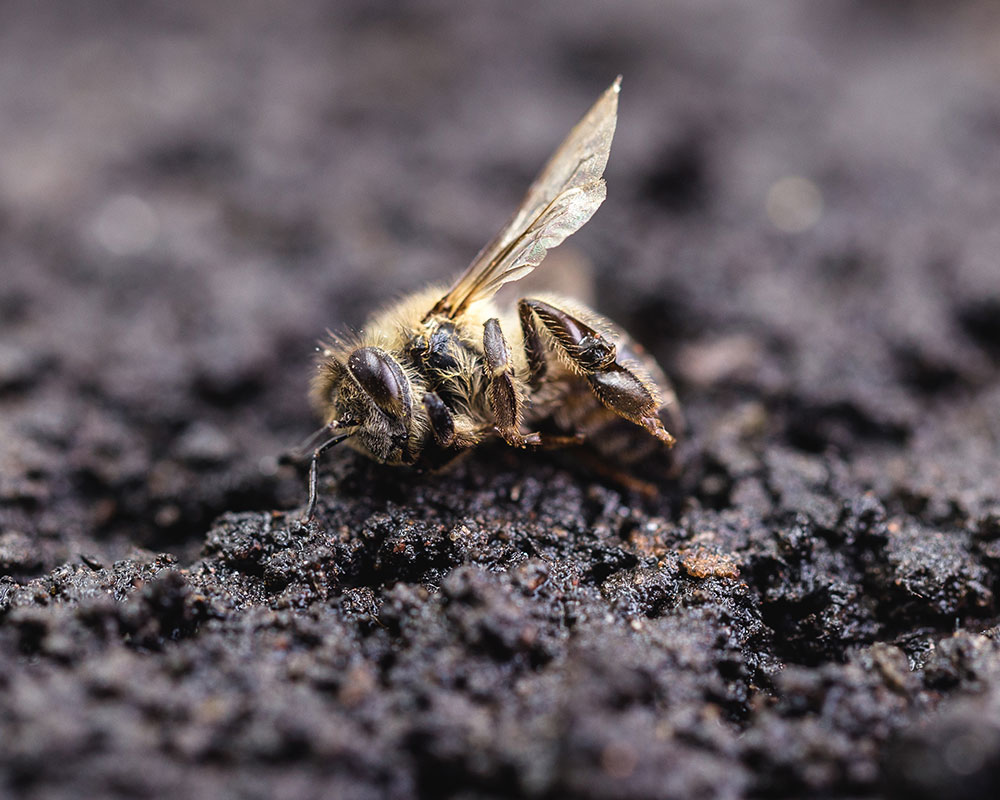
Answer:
(443, 370)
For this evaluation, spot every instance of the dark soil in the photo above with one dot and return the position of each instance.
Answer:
(191, 193)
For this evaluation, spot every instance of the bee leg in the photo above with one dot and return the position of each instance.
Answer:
(533, 348)
(501, 391)
(595, 357)
(594, 463)
(441, 418)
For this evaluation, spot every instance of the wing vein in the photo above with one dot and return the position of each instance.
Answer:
(560, 200)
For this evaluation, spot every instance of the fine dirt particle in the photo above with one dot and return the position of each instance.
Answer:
(703, 564)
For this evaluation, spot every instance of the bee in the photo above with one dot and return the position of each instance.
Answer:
(443, 370)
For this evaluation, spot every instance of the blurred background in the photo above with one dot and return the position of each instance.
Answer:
(801, 224)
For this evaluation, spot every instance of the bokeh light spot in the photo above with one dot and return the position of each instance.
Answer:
(794, 204)
(126, 225)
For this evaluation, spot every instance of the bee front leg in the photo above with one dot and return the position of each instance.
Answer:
(441, 418)
(595, 357)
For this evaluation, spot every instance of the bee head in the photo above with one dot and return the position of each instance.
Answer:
(374, 398)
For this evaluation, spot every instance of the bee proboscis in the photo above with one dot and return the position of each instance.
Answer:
(443, 370)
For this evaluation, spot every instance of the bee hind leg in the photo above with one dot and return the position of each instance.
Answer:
(595, 358)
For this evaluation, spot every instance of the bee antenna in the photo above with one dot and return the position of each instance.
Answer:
(314, 468)
(308, 444)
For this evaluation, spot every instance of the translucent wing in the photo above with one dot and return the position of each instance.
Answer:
(562, 198)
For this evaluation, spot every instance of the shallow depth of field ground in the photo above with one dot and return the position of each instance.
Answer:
(802, 227)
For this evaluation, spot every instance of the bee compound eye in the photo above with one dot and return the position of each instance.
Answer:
(382, 379)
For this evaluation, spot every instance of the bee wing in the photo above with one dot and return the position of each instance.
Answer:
(566, 193)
